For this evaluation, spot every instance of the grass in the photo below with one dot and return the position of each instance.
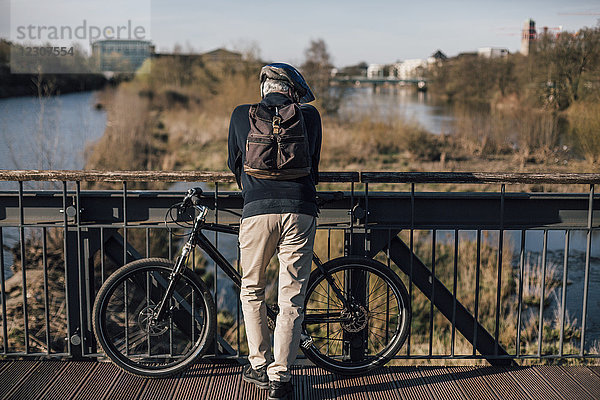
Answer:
(585, 129)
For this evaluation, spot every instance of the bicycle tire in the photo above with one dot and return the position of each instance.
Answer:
(147, 355)
(359, 333)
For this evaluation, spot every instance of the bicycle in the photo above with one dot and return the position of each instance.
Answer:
(153, 317)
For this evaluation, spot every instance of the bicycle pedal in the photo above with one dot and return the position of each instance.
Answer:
(306, 341)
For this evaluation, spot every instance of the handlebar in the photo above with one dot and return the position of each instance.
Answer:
(192, 193)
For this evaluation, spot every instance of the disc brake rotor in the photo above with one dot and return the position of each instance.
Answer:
(150, 326)
(357, 320)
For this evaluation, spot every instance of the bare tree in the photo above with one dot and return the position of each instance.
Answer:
(317, 68)
(566, 59)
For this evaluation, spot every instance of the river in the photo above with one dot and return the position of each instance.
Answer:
(53, 132)
(48, 132)
(400, 103)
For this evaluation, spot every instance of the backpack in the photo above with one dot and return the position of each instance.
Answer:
(277, 145)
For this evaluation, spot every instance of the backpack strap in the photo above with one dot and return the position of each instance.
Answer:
(259, 111)
(252, 111)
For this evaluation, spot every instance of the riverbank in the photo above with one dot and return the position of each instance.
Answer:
(166, 125)
(16, 85)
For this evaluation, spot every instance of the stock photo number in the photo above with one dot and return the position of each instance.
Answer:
(47, 51)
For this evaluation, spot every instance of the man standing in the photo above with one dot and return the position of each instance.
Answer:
(274, 149)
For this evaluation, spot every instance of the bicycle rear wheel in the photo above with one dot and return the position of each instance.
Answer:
(366, 334)
(130, 338)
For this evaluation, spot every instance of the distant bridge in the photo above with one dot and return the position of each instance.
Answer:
(421, 83)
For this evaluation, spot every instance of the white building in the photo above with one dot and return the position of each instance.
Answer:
(375, 71)
(492, 52)
(411, 69)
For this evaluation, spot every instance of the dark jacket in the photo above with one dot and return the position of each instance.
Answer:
(267, 196)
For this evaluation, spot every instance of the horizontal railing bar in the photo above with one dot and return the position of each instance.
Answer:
(325, 176)
(386, 209)
(146, 176)
(478, 177)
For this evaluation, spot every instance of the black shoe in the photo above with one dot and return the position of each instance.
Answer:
(281, 390)
(257, 376)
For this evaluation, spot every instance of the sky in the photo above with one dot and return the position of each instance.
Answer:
(375, 31)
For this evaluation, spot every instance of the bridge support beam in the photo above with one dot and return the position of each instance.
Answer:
(472, 330)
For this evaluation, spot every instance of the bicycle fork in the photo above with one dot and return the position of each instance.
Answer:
(174, 277)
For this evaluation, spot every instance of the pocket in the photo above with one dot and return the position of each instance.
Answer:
(261, 152)
(292, 152)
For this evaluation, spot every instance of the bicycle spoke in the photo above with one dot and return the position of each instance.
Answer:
(375, 314)
(146, 344)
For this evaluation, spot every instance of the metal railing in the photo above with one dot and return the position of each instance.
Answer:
(468, 254)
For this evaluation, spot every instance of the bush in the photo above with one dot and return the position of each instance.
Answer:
(584, 119)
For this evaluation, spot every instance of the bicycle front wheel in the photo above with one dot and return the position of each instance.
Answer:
(366, 331)
(132, 339)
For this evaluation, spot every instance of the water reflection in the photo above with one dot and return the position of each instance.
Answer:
(405, 103)
(48, 133)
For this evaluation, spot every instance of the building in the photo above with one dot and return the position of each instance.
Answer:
(221, 55)
(121, 55)
(528, 36)
(492, 52)
(439, 56)
(359, 69)
(411, 69)
(375, 71)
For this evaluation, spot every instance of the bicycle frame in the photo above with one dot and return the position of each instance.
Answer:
(197, 238)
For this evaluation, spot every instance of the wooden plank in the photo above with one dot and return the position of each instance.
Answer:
(477, 177)
(501, 383)
(380, 385)
(13, 376)
(194, 382)
(441, 383)
(324, 176)
(225, 381)
(563, 382)
(534, 385)
(98, 382)
(410, 383)
(146, 176)
(472, 384)
(68, 382)
(585, 378)
(37, 382)
(318, 383)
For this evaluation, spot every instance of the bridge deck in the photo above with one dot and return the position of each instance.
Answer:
(98, 380)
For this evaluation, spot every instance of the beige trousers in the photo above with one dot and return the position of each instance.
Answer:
(292, 235)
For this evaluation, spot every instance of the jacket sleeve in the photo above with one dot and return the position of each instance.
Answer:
(234, 159)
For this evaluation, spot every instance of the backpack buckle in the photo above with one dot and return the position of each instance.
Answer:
(276, 124)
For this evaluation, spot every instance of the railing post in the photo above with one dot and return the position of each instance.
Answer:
(586, 279)
(72, 293)
(355, 244)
